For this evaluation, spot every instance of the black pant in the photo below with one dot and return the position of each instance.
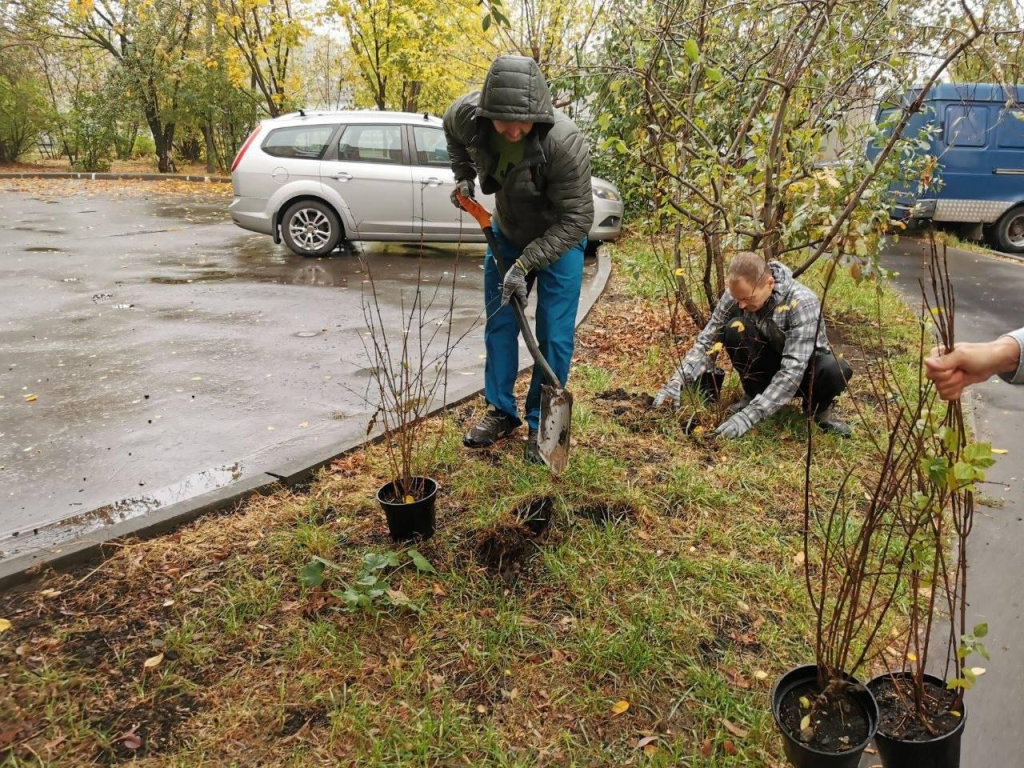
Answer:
(757, 363)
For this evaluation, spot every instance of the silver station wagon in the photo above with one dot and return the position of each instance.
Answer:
(314, 179)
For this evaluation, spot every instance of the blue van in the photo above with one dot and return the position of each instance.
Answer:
(980, 151)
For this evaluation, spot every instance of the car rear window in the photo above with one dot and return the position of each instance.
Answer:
(431, 147)
(371, 144)
(301, 141)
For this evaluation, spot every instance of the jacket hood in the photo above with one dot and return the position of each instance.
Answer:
(515, 91)
(783, 278)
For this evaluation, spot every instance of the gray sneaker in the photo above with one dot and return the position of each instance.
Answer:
(492, 427)
(828, 422)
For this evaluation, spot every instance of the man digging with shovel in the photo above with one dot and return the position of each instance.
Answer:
(535, 159)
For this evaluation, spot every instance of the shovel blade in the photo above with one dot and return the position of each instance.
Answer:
(555, 424)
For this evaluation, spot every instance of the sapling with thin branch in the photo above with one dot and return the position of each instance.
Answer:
(942, 511)
(410, 373)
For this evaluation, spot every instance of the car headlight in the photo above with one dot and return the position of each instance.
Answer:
(606, 194)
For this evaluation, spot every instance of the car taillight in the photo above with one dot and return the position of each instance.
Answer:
(238, 157)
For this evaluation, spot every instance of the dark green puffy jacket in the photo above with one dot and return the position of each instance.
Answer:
(546, 205)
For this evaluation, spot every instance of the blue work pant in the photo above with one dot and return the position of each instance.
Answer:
(558, 296)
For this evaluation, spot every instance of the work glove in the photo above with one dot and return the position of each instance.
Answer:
(514, 284)
(733, 427)
(669, 394)
(464, 188)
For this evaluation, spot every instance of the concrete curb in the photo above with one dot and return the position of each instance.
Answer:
(117, 176)
(296, 470)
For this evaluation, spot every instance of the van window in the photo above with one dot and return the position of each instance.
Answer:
(966, 126)
(371, 144)
(431, 146)
(1011, 129)
(301, 141)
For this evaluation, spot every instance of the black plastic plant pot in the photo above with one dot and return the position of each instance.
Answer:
(409, 520)
(801, 755)
(940, 752)
(710, 384)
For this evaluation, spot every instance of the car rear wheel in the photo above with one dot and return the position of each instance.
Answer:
(1008, 233)
(310, 228)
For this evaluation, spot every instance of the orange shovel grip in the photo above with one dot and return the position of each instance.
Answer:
(477, 211)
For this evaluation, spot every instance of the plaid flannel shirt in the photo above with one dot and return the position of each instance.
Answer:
(1017, 377)
(792, 312)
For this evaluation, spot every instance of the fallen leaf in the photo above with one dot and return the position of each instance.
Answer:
(645, 741)
(799, 558)
(912, 657)
(168, 603)
(303, 425)
(999, 451)
(730, 748)
(619, 707)
(736, 678)
(707, 748)
(30, 398)
(805, 723)
(4, 625)
(131, 739)
(978, 671)
(735, 730)
(8, 737)
(650, 750)
(49, 593)
(409, 499)
(760, 674)
(439, 590)
(153, 661)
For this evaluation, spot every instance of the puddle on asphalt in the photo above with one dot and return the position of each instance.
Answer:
(43, 249)
(134, 506)
(207, 276)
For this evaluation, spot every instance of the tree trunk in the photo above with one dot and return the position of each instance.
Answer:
(211, 149)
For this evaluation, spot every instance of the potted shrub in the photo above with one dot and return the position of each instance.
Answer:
(923, 716)
(852, 562)
(854, 555)
(409, 372)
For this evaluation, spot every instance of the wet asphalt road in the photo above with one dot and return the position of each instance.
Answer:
(990, 301)
(171, 353)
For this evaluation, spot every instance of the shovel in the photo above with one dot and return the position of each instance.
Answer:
(555, 400)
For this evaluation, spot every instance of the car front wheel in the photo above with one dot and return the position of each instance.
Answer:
(1008, 233)
(310, 228)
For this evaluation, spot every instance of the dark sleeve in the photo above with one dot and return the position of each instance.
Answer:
(570, 195)
(457, 121)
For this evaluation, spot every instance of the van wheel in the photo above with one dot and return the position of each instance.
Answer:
(1008, 233)
(310, 228)
(590, 252)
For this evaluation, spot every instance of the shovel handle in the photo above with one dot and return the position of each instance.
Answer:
(483, 218)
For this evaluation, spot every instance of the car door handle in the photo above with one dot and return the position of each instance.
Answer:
(341, 176)
(431, 181)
